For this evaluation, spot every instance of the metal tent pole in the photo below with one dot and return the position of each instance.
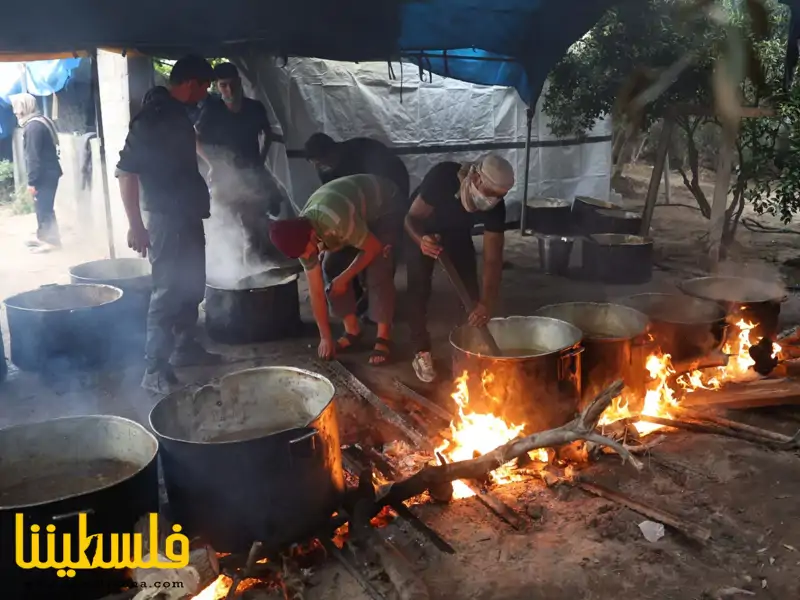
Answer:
(523, 215)
(98, 116)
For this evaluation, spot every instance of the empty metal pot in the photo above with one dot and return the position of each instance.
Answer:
(613, 337)
(584, 214)
(537, 380)
(555, 252)
(617, 259)
(617, 221)
(549, 216)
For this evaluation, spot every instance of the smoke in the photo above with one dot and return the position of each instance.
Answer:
(237, 233)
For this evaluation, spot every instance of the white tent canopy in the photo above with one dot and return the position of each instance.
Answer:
(426, 121)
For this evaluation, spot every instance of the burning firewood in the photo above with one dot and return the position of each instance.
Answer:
(581, 428)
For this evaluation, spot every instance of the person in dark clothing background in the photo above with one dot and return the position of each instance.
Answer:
(40, 140)
(451, 199)
(166, 200)
(233, 137)
(357, 156)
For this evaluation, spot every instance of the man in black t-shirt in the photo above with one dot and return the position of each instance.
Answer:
(452, 199)
(229, 139)
(357, 156)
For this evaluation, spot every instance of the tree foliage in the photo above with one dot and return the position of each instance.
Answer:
(636, 43)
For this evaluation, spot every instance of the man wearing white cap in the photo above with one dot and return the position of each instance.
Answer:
(451, 200)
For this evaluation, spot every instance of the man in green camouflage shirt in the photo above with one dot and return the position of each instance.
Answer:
(356, 221)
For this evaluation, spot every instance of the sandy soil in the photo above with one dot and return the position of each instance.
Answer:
(576, 546)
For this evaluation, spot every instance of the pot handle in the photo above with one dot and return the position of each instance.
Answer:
(70, 515)
(305, 445)
(566, 365)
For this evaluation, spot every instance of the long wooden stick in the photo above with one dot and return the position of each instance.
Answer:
(467, 301)
(738, 426)
(386, 413)
(710, 428)
(580, 428)
(695, 532)
(407, 392)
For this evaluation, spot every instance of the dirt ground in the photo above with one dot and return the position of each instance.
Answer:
(576, 546)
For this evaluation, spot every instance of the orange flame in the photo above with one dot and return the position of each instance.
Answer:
(473, 434)
(660, 399)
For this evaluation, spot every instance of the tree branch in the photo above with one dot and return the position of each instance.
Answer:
(580, 428)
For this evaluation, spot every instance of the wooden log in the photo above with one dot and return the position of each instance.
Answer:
(354, 572)
(386, 413)
(710, 428)
(291, 580)
(714, 359)
(407, 392)
(405, 581)
(497, 506)
(580, 428)
(755, 394)
(737, 426)
(695, 532)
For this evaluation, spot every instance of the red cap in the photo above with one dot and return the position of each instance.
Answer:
(291, 236)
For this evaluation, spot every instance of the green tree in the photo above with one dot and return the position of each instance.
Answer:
(635, 47)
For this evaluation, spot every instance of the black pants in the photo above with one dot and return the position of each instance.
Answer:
(178, 260)
(45, 200)
(461, 250)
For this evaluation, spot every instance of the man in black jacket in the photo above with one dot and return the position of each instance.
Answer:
(166, 200)
(40, 141)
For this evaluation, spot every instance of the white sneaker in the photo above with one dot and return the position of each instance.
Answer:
(423, 367)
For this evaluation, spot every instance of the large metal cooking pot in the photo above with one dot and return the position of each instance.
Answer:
(681, 326)
(756, 301)
(50, 472)
(618, 259)
(614, 338)
(62, 327)
(584, 214)
(549, 216)
(618, 221)
(259, 308)
(132, 276)
(535, 382)
(253, 458)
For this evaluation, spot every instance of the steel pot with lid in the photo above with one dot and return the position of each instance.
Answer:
(535, 382)
(50, 472)
(752, 300)
(62, 327)
(615, 342)
(259, 308)
(618, 259)
(255, 457)
(584, 214)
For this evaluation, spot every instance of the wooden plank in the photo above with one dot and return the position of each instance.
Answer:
(407, 392)
(756, 394)
(386, 413)
(695, 532)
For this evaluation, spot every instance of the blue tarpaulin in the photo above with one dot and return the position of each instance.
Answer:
(42, 78)
(533, 34)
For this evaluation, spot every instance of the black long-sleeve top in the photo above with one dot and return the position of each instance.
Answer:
(41, 156)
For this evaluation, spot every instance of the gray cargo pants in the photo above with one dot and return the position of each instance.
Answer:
(377, 278)
(178, 261)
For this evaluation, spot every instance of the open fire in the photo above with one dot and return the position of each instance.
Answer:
(473, 434)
